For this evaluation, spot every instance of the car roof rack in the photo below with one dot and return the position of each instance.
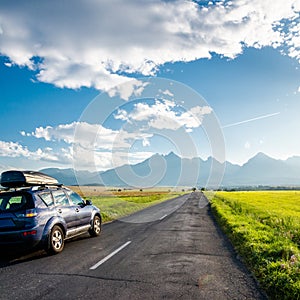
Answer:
(45, 186)
(19, 179)
(31, 188)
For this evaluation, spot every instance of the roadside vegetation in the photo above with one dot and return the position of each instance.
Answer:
(117, 203)
(264, 227)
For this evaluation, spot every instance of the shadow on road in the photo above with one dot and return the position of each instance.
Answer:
(17, 256)
(8, 258)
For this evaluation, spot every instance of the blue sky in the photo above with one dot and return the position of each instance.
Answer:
(74, 90)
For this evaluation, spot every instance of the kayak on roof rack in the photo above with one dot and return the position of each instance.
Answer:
(14, 178)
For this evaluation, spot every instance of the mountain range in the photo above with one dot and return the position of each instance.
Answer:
(171, 170)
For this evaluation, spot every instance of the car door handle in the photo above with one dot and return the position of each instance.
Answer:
(77, 209)
(59, 210)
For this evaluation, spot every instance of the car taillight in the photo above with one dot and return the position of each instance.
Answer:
(27, 233)
(29, 213)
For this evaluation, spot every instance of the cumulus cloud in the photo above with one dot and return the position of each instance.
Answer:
(167, 93)
(89, 136)
(13, 149)
(102, 43)
(89, 145)
(164, 114)
(127, 89)
(83, 133)
(80, 132)
(95, 145)
(86, 158)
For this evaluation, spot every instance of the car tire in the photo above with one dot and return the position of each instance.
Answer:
(96, 227)
(56, 240)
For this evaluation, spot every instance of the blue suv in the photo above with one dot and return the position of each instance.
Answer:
(36, 211)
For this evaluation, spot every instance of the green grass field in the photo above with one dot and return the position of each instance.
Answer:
(115, 204)
(264, 227)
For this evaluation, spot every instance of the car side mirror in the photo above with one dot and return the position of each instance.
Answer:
(88, 202)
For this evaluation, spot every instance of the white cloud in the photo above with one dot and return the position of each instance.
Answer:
(127, 89)
(13, 149)
(247, 145)
(102, 43)
(129, 158)
(23, 133)
(167, 93)
(93, 137)
(94, 146)
(86, 158)
(95, 160)
(146, 142)
(78, 132)
(122, 115)
(165, 115)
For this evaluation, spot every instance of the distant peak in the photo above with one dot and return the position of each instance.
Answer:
(211, 159)
(261, 155)
(171, 154)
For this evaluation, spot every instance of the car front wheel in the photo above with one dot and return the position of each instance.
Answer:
(56, 240)
(96, 227)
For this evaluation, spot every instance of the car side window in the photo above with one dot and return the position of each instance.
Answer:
(60, 198)
(75, 198)
(47, 198)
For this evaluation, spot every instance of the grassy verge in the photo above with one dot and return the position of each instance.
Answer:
(264, 227)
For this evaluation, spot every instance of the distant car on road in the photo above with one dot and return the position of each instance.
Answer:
(37, 211)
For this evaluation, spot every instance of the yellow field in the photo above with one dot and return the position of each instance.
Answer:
(265, 229)
(278, 203)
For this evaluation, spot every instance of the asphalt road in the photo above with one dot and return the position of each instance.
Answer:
(179, 254)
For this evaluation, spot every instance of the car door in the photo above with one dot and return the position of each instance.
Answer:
(83, 212)
(64, 209)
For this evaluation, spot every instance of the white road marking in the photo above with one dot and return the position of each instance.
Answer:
(163, 217)
(102, 261)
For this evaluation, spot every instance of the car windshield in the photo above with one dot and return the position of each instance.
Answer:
(15, 201)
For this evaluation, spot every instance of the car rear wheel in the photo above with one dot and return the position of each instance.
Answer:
(96, 227)
(56, 240)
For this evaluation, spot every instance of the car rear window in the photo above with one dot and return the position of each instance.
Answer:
(15, 201)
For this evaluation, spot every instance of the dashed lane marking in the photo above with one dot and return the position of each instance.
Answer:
(162, 217)
(102, 261)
